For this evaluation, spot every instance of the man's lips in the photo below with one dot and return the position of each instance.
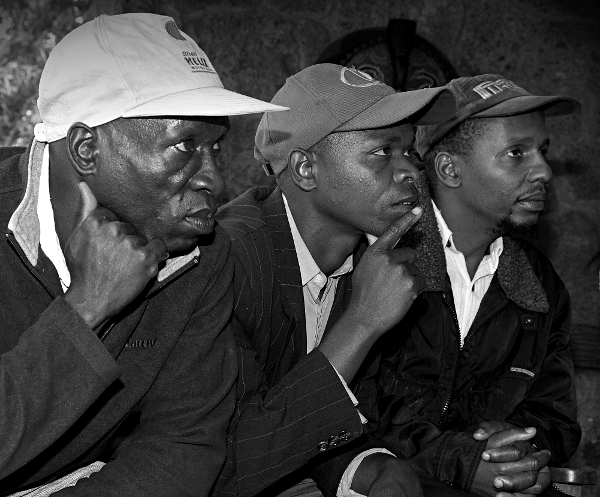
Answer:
(411, 200)
(534, 201)
(202, 219)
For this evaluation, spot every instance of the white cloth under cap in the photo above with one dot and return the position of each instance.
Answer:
(132, 65)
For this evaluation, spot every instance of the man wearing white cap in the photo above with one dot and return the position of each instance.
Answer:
(116, 357)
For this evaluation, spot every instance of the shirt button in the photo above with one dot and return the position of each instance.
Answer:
(319, 278)
(322, 446)
(528, 321)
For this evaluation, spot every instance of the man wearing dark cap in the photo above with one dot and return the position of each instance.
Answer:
(308, 310)
(476, 388)
(117, 367)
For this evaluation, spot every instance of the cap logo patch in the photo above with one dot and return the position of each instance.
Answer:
(353, 77)
(196, 62)
(488, 89)
(171, 28)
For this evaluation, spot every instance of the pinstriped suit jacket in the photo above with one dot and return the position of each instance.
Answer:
(288, 402)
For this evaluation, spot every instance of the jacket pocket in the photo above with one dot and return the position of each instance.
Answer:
(503, 394)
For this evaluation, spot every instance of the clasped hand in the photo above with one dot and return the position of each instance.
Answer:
(509, 465)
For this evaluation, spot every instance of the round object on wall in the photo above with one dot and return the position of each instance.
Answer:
(395, 55)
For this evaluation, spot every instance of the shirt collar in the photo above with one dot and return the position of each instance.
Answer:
(308, 266)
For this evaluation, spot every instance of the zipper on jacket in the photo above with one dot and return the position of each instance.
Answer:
(455, 372)
(470, 334)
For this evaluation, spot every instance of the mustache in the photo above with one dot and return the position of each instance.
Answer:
(534, 190)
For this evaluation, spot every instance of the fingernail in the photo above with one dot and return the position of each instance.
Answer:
(485, 456)
(479, 432)
(417, 210)
(498, 483)
(530, 429)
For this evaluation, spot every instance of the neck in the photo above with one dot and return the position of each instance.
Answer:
(64, 192)
(471, 235)
(329, 245)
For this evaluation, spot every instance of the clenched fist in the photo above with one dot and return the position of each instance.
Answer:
(109, 263)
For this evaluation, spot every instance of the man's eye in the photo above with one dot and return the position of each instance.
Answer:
(185, 145)
(382, 151)
(515, 152)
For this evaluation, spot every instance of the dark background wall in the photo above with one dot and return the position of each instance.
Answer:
(546, 46)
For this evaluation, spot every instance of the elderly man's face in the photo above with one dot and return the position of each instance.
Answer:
(160, 176)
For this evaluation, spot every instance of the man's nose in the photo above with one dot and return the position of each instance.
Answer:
(208, 176)
(540, 170)
(406, 171)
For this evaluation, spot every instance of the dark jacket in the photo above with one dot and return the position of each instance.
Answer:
(160, 381)
(292, 406)
(514, 366)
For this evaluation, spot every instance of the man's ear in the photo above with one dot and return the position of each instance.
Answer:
(302, 169)
(447, 169)
(82, 147)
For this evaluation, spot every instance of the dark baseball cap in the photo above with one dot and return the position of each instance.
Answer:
(328, 97)
(490, 95)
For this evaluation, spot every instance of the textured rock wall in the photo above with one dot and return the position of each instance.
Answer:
(547, 46)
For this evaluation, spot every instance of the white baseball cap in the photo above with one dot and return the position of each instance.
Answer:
(131, 65)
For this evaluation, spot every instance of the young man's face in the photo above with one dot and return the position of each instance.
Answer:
(365, 179)
(160, 176)
(504, 180)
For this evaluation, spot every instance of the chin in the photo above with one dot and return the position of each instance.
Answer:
(180, 246)
(520, 228)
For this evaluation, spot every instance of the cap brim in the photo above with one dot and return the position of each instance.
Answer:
(211, 101)
(426, 106)
(549, 106)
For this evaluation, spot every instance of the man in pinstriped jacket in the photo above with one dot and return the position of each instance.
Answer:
(308, 311)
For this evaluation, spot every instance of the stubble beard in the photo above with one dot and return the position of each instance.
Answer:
(529, 230)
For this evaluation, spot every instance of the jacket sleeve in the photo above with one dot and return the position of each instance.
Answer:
(550, 404)
(277, 430)
(179, 446)
(327, 470)
(57, 362)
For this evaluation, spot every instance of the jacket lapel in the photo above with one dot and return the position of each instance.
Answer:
(287, 274)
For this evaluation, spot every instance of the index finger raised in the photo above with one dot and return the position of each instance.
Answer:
(391, 236)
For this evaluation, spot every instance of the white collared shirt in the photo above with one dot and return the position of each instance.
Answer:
(468, 293)
(318, 289)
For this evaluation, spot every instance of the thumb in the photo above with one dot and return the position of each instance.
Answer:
(507, 437)
(87, 203)
(391, 236)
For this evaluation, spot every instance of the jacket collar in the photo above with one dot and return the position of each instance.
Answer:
(25, 225)
(515, 273)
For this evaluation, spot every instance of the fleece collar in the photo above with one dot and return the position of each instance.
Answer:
(515, 273)
(25, 225)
